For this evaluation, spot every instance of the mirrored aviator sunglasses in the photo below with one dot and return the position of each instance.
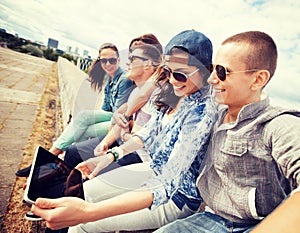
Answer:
(112, 61)
(178, 76)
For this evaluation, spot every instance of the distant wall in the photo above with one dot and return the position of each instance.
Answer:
(75, 91)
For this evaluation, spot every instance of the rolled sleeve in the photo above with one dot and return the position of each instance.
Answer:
(283, 134)
(158, 191)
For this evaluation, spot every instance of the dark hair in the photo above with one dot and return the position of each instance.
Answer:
(263, 50)
(96, 72)
(109, 46)
(165, 99)
(151, 52)
(146, 39)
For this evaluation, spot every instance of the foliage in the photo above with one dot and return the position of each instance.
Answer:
(26, 46)
(67, 56)
(33, 50)
(50, 54)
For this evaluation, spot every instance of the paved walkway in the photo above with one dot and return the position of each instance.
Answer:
(22, 82)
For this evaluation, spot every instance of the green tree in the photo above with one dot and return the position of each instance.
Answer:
(50, 54)
(33, 50)
(67, 56)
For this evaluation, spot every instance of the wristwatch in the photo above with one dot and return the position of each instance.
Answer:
(128, 118)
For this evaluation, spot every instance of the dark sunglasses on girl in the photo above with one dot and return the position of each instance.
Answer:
(222, 72)
(112, 61)
(179, 76)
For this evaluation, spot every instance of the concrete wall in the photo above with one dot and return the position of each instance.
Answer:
(75, 91)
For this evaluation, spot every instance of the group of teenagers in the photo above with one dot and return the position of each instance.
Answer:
(182, 143)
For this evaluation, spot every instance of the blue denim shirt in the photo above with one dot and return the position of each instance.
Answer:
(252, 162)
(116, 91)
(177, 149)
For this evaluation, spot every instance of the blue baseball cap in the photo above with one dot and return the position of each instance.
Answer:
(196, 44)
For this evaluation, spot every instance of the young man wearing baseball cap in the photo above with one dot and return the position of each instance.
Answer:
(176, 139)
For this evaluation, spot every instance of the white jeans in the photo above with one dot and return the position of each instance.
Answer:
(119, 181)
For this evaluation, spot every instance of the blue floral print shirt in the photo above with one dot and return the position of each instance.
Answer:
(178, 148)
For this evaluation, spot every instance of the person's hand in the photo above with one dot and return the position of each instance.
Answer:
(120, 120)
(91, 167)
(54, 150)
(124, 132)
(101, 149)
(61, 212)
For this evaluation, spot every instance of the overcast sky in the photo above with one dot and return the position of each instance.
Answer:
(88, 24)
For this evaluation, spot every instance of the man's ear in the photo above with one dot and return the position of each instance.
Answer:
(261, 79)
(148, 64)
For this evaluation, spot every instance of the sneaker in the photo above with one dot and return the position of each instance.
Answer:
(32, 217)
(24, 172)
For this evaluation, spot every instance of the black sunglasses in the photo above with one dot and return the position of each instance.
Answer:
(132, 57)
(222, 72)
(112, 61)
(179, 76)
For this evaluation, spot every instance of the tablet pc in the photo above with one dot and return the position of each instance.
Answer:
(51, 177)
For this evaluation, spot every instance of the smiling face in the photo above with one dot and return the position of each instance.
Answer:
(238, 89)
(193, 83)
(109, 68)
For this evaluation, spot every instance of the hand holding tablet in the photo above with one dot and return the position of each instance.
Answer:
(51, 177)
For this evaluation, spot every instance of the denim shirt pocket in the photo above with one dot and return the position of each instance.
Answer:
(237, 161)
(236, 147)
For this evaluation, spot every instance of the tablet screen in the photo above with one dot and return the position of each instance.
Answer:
(51, 177)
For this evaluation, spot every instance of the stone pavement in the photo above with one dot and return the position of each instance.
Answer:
(22, 82)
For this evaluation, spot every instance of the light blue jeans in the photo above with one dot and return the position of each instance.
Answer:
(205, 222)
(87, 124)
(119, 181)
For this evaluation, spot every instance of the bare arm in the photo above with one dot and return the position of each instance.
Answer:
(91, 167)
(122, 108)
(70, 211)
(108, 140)
(131, 144)
(118, 116)
(142, 96)
(285, 218)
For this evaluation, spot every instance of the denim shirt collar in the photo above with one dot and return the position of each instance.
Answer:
(248, 111)
(253, 109)
(117, 75)
(197, 95)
